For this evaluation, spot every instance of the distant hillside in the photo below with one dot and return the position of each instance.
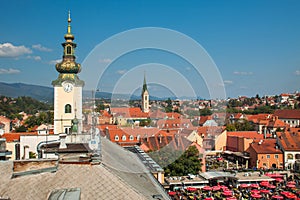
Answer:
(40, 93)
(45, 94)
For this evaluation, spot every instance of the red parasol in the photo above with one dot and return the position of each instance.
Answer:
(244, 185)
(207, 188)
(277, 197)
(291, 182)
(231, 198)
(191, 189)
(256, 196)
(279, 179)
(255, 191)
(208, 198)
(264, 183)
(290, 186)
(254, 185)
(171, 193)
(227, 193)
(216, 188)
(265, 191)
(271, 186)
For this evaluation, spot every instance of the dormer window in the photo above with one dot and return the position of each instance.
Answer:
(124, 137)
(131, 137)
(116, 138)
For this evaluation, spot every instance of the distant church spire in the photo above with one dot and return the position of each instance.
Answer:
(145, 96)
(145, 84)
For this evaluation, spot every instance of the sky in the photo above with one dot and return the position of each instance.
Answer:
(207, 49)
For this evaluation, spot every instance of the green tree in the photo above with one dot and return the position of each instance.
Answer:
(187, 163)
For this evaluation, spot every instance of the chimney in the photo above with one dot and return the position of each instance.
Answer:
(62, 139)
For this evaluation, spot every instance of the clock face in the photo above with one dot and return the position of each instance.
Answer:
(68, 87)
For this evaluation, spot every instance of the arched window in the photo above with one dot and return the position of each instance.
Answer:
(69, 50)
(290, 156)
(68, 108)
(297, 156)
(116, 138)
(124, 137)
(131, 137)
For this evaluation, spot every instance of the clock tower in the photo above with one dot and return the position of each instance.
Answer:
(68, 88)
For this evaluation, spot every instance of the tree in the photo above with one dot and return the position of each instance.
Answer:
(205, 112)
(187, 163)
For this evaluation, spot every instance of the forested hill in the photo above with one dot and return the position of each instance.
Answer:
(40, 93)
(10, 107)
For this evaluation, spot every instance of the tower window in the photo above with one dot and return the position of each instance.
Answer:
(68, 108)
(69, 50)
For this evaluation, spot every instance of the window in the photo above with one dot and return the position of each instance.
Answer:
(68, 50)
(138, 137)
(268, 156)
(116, 138)
(131, 137)
(124, 137)
(68, 108)
(276, 156)
(290, 156)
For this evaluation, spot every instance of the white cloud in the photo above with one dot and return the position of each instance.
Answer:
(243, 73)
(9, 50)
(9, 71)
(53, 62)
(36, 58)
(297, 72)
(41, 48)
(105, 60)
(228, 82)
(121, 72)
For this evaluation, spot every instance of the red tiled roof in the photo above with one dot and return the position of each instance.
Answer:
(266, 146)
(290, 139)
(174, 123)
(11, 137)
(288, 114)
(129, 112)
(246, 134)
(4, 119)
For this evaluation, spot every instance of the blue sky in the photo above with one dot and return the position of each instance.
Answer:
(254, 44)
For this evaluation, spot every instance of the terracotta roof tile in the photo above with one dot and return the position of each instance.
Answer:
(266, 146)
(288, 114)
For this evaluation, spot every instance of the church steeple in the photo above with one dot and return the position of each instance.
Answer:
(68, 68)
(144, 85)
(145, 96)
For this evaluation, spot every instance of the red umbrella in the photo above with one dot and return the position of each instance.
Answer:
(231, 198)
(290, 186)
(255, 191)
(291, 182)
(191, 189)
(244, 185)
(208, 198)
(171, 193)
(271, 186)
(291, 196)
(265, 191)
(279, 179)
(254, 185)
(227, 193)
(264, 183)
(224, 187)
(216, 188)
(277, 197)
(255, 195)
(207, 188)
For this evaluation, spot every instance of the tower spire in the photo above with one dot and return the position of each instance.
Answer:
(144, 84)
(69, 23)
